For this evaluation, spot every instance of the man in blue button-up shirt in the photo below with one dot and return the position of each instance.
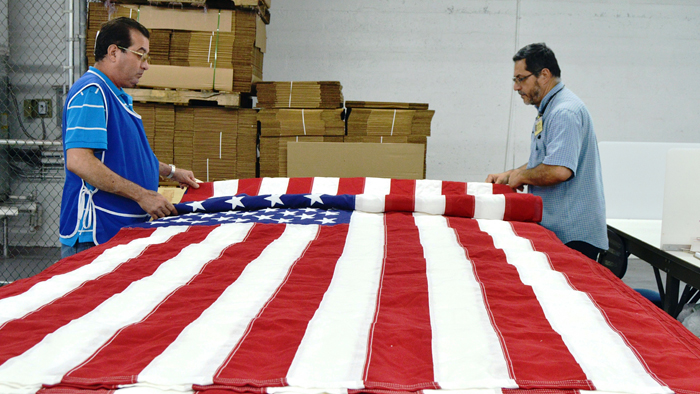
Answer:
(564, 165)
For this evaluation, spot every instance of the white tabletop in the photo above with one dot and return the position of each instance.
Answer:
(649, 231)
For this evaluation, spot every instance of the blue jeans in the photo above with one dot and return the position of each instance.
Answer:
(67, 251)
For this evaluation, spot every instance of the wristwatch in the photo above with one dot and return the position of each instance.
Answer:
(172, 171)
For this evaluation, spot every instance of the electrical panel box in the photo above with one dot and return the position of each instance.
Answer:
(38, 108)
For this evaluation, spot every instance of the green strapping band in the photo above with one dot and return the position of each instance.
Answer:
(216, 48)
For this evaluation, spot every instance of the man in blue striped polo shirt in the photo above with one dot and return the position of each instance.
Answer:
(564, 165)
(111, 171)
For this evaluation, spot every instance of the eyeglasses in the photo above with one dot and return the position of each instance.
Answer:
(520, 80)
(144, 56)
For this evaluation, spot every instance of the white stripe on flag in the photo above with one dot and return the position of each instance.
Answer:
(377, 186)
(325, 186)
(205, 343)
(604, 357)
(431, 204)
(467, 352)
(226, 188)
(77, 340)
(369, 203)
(425, 187)
(478, 188)
(334, 348)
(273, 186)
(489, 206)
(57, 286)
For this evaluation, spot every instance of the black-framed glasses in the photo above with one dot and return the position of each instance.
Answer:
(520, 80)
(144, 56)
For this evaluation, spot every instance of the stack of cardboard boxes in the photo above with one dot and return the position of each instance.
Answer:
(194, 48)
(195, 102)
(296, 111)
(386, 122)
(202, 67)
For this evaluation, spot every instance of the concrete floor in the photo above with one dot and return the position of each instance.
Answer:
(640, 275)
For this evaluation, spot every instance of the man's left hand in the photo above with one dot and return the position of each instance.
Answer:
(185, 178)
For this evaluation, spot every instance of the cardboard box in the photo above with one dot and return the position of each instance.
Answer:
(181, 77)
(348, 159)
(172, 193)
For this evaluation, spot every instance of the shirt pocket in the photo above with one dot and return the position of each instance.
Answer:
(538, 151)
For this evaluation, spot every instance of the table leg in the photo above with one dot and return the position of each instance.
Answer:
(671, 298)
(4, 237)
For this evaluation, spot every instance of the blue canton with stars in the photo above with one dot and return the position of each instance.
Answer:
(279, 209)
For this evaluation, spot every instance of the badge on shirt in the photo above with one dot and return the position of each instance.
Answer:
(538, 126)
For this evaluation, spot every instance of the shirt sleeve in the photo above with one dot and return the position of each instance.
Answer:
(86, 120)
(563, 139)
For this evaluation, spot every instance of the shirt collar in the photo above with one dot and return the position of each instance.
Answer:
(119, 92)
(549, 96)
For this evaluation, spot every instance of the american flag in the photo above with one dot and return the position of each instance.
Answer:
(379, 302)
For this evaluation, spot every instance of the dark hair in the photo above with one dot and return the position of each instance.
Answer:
(538, 57)
(118, 32)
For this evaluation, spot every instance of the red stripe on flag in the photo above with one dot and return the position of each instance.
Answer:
(460, 205)
(17, 336)
(403, 187)
(300, 185)
(523, 207)
(205, 190)
(131, 349)
(454, 188)
(502, 189)
(264, 355)
(249, 186)
(351, 186)
(400, 354)
(623, 308)
(399, 203)
(536, 361)
(74, 262)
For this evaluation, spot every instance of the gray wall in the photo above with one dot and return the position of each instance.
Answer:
(633, 62)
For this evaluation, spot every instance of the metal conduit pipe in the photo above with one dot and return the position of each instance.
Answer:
(7, 142)
(82, 12)
(69, 42)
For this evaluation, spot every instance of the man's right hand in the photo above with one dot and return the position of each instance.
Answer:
(500, 178)
(156, 205)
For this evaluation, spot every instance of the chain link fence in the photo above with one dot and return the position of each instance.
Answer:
(35, 52)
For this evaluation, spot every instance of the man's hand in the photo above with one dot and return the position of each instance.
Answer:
(542, 175)
(516, 181)
(501, 178)
(155, 204)
(185, 178)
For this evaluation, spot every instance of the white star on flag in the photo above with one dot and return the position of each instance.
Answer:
(305, 216)
(196, 205)
(314, 198)
(331, 213)
(326, 221)
(235, 202)
(274, 199)
(264, 217)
